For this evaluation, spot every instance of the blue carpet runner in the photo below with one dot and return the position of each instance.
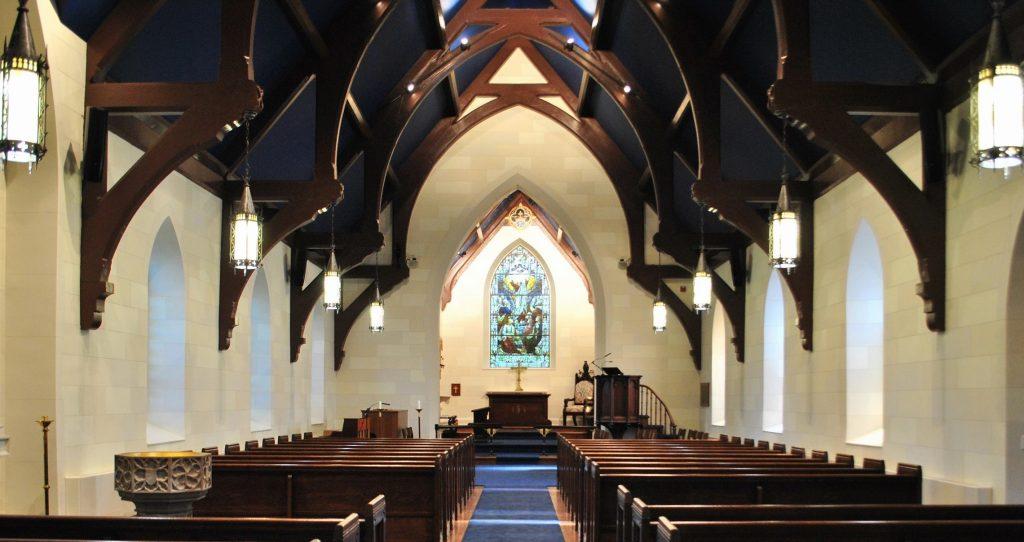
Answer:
(515, 505)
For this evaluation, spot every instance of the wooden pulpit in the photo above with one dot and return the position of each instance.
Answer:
(617, 402)
(383, 423)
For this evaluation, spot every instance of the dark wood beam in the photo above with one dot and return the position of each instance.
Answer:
(824, 109)
(106, 216)
(302, 300)
(390, 277)
(152, 98)
(647, 277)
(348, 40)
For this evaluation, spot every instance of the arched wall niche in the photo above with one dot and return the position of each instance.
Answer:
(774, 360)
(260, 367)
(1015, 372)
(517, 148)
(167, 340)
(865, 341)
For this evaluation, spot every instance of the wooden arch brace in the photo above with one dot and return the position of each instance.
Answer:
(354, 248)
(207, 108)
(390, 277)
(334, 75)
(824, 108)
(701, 73)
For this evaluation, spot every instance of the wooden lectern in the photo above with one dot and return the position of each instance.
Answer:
(383, 423)
(617, 402)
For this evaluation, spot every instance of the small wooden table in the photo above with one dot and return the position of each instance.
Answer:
(527, 408)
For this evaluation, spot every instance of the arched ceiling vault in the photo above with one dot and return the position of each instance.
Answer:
(328, 80)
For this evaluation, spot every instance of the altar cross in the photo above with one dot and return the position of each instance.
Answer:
(519, 368)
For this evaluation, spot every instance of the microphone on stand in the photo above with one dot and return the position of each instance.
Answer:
(594, 362)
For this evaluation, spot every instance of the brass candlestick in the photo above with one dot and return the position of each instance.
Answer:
(45, 423)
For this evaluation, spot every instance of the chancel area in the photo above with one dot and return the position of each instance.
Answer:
(506, 270)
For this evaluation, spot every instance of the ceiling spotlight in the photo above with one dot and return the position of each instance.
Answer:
(464, 43)
(410, 87)
(570, 43)
(627, 89)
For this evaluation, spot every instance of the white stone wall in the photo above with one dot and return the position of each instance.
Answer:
(466, 334)
(946, 396)
(515, 149)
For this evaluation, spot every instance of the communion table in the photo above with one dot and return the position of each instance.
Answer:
(527, 408)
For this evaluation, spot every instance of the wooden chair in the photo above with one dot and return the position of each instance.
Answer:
(307, 435)
(268, 441)
(296, 436)
(212, 450)
(581, 404)
(231, 449)
(282, 439)
(251, 445)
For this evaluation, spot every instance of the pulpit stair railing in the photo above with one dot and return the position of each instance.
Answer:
(654, 410)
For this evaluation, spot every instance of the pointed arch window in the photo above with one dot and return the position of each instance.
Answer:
(774, 356)
(259, 356)
(865, 341)
(718, 345)
(165, 369)
(520, 312)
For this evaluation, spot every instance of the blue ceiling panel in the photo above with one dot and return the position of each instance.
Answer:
(614, 121)
(586, 7)
(653, 65)
(747, 151)
(467, 72)
(437, 105)
(323, 12)
(83, 17)
(753, 50)
(398, 45)
(450, 7)
(710, 14)
(286, 153)
(276, 47)
(849, 43)
(569, 71)
(181, 43)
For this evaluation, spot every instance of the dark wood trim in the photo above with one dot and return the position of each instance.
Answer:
(105, 217)
(303, 24)
(302, 299)
(823, 109)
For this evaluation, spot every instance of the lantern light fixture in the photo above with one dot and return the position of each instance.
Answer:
(376, 306)
(332, 277)
(784, 233)
(997, 103)
(246, 224)
(659, 313)
(701, 276)
(23, 77)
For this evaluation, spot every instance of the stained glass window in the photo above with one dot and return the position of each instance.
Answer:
(520, 308)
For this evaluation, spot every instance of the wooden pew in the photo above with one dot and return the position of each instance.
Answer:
(426, 481)
(179, 529)
(841, 531)
(642, 525)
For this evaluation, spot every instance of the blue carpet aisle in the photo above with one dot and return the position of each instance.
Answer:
(515, 505)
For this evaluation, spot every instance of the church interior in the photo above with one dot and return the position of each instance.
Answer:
(504, 270)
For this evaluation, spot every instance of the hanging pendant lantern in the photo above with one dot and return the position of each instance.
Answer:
(246, 234)
(997, 103)
(377, 315)
(701, 285)
(659, 314)
(784, 233)
(23, 77)
(332, 284)
(376, 306)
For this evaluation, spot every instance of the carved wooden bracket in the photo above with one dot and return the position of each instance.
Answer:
(824, 110)
(206, 109)
(351, 249)
(390, 277)
(733, 300)
(647, 277)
